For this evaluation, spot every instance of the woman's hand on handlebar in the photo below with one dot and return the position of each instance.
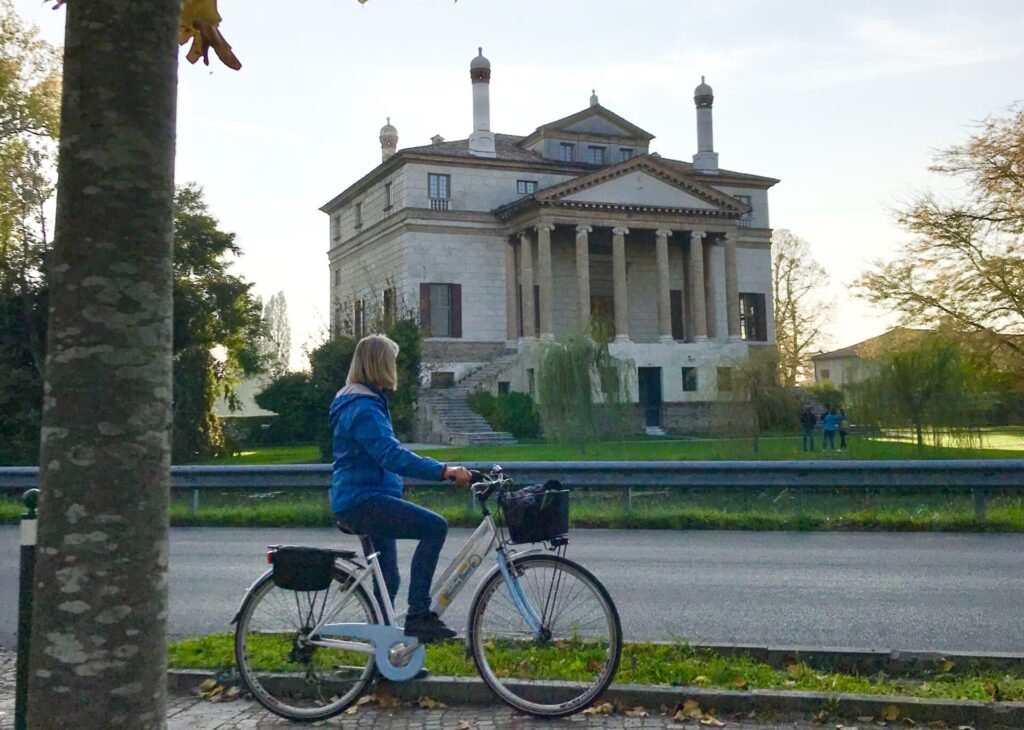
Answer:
(458, 474)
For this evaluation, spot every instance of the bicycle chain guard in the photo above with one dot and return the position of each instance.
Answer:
(383, 638)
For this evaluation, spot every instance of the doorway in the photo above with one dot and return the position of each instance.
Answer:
(649, 382)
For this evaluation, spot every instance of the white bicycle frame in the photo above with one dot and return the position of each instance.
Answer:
(461, 568)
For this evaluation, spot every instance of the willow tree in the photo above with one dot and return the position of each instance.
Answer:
(582, 391)
(934, 386)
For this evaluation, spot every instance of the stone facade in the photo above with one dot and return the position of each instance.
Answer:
(536, 240)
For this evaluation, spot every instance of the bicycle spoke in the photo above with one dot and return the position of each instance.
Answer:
(579, 649)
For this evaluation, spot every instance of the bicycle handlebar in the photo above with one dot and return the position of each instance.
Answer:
(485, 485)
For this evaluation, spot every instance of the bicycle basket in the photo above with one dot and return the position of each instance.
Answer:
(536, 513)
(302, 568)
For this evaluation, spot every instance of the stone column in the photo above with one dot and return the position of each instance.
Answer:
(619, 280)
(700, 320)
(526, 282)
(547, 328)
(511, 295)
(732, 294)
(664, 302)
(583, 274)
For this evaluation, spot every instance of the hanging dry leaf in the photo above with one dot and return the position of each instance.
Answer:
(200, 23)
(890, 713)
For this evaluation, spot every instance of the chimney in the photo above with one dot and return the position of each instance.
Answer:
(388, 141)
(436, 139)
(481, 142)
(706, 158)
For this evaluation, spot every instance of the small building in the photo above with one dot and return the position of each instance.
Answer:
(852, 364)
(499, 243)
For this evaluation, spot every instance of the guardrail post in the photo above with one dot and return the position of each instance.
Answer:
(193, 504)
(980, 495)
(627, 499)
(25, 572)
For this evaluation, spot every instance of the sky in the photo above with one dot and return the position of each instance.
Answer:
(845, 103)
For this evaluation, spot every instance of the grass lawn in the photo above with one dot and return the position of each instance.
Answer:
(296, 454)
(1001, 443)
(683, 665)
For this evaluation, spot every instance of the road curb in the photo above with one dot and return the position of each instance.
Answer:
(473, 691)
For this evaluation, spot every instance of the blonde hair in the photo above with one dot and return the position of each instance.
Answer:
(375, 361)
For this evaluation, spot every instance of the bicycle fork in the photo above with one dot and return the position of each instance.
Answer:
(519, 600)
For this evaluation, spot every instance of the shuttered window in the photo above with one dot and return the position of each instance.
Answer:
(441, 310)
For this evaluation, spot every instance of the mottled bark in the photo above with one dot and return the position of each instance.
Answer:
(98, 638)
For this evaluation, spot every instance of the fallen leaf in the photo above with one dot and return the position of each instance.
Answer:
(947, 665)
(366, 699)
(428, 703)
(937, 724)
(701, 679)
(865, 718)
(208, 685)
(464, 725)
(890, 713)
(739, 683)
(352, 710)
(712, 721)
(847, 727)
(638, 711)
(964, 727)
(604, 708)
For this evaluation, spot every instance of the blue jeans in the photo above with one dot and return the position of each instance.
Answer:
(808, 438)
(383, 519)
(828, 440)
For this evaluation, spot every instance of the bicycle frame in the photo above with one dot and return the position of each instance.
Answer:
(451, 583)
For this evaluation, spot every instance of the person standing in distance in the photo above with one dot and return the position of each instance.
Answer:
(366, 484)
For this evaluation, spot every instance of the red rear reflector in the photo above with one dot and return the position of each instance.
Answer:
(270, 557)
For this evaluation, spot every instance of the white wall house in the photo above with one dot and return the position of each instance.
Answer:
(498, 243)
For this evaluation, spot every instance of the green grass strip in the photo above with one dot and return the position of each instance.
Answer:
(678, 664)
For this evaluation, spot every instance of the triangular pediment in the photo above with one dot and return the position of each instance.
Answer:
(642, 182)
(595, 120)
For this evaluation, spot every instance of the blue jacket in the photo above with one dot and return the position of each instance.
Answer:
(830, 420)
(368, 459)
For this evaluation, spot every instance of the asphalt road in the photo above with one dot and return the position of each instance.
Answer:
(946, 592)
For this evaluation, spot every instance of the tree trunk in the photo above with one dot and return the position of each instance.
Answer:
(98, 655)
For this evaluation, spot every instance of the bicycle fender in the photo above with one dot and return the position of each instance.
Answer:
(249, 590)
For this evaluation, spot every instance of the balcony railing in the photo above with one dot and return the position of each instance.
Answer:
(439, 203)
(745, 221)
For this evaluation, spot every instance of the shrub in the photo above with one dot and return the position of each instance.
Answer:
(512, 412)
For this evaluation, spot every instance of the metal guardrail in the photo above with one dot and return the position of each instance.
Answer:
(978, 475)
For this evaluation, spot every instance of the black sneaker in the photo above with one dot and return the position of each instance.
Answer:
(427, 627)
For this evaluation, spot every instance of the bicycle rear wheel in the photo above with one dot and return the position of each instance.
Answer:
(289, 677)
(576, 657)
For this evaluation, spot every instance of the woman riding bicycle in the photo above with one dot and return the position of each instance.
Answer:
(366, 485)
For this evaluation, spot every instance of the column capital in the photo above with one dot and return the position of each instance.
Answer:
(584, 228)
(663, 232)
(545, 226)
(620, 230)
(524, 234)
(697, 233)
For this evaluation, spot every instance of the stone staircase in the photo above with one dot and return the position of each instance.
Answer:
(807, 400)
(452, 416)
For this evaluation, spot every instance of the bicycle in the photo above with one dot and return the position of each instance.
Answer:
(544, 634)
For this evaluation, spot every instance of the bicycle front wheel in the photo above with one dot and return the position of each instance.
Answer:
(288, 675)
(575, 658)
